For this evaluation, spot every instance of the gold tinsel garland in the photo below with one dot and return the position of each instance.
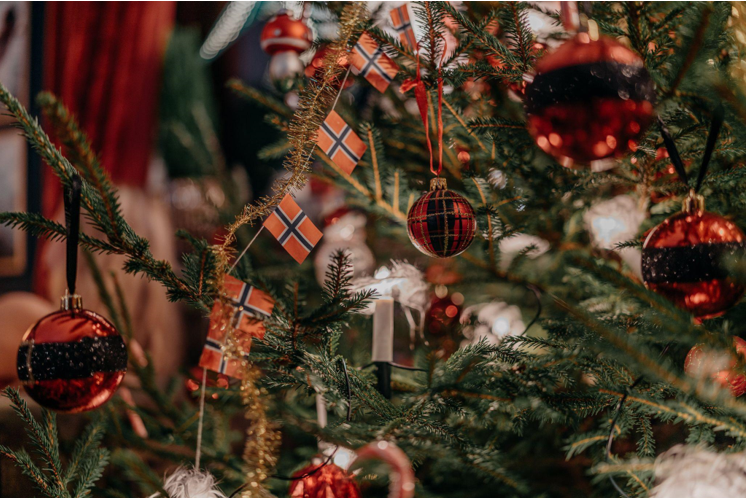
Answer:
(262, 438)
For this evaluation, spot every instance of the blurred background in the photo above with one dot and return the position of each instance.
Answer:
(147, 82)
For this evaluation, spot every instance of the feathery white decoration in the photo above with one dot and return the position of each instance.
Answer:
(690, 472)
(191, 483)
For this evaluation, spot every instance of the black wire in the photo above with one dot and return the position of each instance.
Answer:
(673, 152)
(306, 474)
(712, 137)
(617, 413)
(537, 294)
(405, 367)
(72, 228)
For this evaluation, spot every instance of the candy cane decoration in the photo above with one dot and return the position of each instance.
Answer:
(402, 475)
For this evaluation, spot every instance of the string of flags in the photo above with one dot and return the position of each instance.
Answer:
(403, 26)
(241, 309)
(338, 141)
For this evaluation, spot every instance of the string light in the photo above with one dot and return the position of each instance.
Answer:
(227, 28)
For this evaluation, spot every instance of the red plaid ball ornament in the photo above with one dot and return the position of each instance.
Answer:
(441, 223)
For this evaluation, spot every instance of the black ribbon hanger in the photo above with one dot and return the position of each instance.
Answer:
(72, 225)
(673, 152)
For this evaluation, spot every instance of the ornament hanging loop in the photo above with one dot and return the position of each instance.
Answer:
(673, 152)
(693, 202)
(72, 229)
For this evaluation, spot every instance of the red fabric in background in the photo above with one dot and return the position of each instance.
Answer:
(104, 60)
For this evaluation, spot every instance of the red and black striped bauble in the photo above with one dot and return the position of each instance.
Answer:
(441, 223)
(683, 260)
(323, 481)
(72, 360)
(589, 101)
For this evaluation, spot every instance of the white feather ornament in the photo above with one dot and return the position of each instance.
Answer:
(690, 472)
(191, 483)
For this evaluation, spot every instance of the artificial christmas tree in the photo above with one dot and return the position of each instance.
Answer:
(580, 401)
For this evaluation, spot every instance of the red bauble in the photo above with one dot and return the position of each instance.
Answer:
(282, 33)
(589, 100)
(443, 313)
(681, 260)
(328, 481)
(700, 362)
(441, 223)
(72, 360)
(317, 63)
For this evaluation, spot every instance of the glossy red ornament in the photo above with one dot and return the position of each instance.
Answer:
(441, 223)
(700, 362)
(282, 33)
(314, 68)
(72, 360)
(589, 102)
(329, 481)
(681, 260)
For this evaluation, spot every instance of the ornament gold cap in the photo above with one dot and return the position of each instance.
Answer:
(438, 183)
(71, 302)
(693, 202)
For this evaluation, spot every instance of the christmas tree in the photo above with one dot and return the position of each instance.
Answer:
(582, 338)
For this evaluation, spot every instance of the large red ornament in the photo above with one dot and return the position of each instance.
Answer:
(328, 481)
(282, 33)
(701, 362)
(589, 100)
(284, 38)
(681, 260)
(72, 360)
(441, 223)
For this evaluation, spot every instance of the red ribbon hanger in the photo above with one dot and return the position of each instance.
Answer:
(420, 95)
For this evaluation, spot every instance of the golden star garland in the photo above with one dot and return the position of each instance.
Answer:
(262, 437)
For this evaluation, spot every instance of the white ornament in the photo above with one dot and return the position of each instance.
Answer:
(613, 221)
(285, 65)
(191, 483)
(348, 234)
(690, 472)
(493, 322)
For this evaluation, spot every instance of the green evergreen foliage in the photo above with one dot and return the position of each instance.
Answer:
(528, 417)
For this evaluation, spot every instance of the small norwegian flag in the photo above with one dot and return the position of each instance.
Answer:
(292, 228)
(340, 143)
(403, 26)
(214, 357)
(243, 307)
(368, 59)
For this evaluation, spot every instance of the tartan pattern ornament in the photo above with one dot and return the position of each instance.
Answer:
(403, 26)
(293, 229)
(441, 223)
(367, 58)
(243, 307)
(340, 143)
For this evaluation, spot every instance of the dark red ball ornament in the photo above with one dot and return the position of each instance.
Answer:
(282, 33)
(441, 223)
(589, 101)
(284, 38)
(329, 481)
(72, 360)
(720, 368)
(682, 260)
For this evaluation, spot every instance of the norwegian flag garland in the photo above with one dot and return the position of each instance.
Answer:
(243, 307)
(403, 26)
(367, 58)
(340, 143)
(293, 229)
